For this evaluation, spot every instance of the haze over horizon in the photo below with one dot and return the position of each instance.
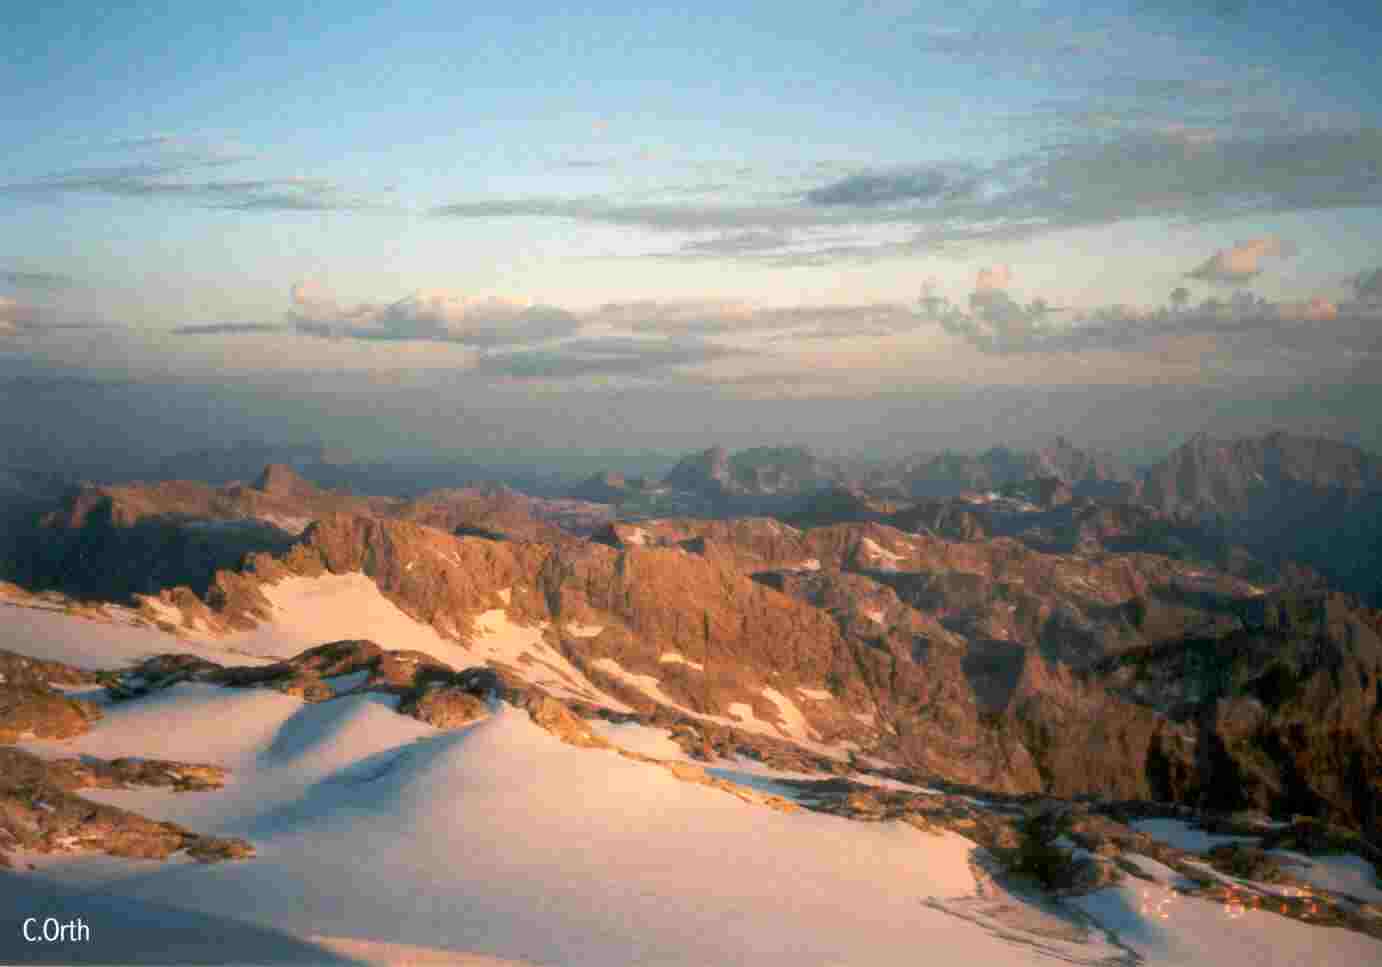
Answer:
(868, 228)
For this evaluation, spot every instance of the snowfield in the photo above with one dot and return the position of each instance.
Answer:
(381, 839)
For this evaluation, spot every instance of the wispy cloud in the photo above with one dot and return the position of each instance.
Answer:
(176, 176)
(738, 243)
(229, 329)
(1179, 173)
(44, 281)
(1367, 286)
(872, 188)
(145, 141)
(604, 357)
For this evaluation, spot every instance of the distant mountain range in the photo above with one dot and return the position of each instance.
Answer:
(1277, 503)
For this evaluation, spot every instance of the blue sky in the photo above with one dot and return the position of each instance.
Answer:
(749, 201)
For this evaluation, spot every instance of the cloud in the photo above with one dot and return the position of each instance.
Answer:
(14, 316)
(993, 277)
(1242, 261)
(48, 281)
(732, 318)
(1367, 287)
(1318, 309)
(172, 179)
(996, 322)
(738, 243)
(434, 315)
(658, 217)
(1088, 178)
(146, 141)
(228, 329)
(869, 188)
(1247, 327)
(705, 316)
(601, 357)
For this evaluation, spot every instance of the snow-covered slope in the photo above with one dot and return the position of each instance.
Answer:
(95, 643)
(380, 838)
(399, 843)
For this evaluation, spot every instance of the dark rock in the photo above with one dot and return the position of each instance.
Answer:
(1245, 862)
(485, 682)
(159, 672)
(33, 710)
(337, 658)
(445, 707)
(21, 669)
(408, 669)
(556, 718)
(39, 812)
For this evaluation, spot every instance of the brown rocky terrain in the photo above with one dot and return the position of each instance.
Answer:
(966, 660)
(980, 660)
(31, 708)
(1048, 703)
(111, 542)
(40, 812)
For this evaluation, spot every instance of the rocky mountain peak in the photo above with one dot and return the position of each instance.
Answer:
(281, 480)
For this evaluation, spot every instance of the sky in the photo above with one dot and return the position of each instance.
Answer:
(863, 226)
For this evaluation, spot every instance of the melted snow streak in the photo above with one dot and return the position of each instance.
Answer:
(1028, 929)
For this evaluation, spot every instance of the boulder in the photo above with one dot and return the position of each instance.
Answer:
(39, 812)
(408, 669)
(556, 718)
(444, 707)
(30, 710)
(15, 668)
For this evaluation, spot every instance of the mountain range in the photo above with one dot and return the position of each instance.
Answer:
(944, 643)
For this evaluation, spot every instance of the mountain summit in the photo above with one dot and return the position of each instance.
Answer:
(281, 480)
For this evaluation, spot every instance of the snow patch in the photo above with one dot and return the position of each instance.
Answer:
(347, 683)
(120, 640)
(498, 638)
(742, 712)
(1345, 873)
(646, 684)
(1181, 835)
(309, 611)
(646, 740)
(877, 550)
(676, 658)
(794, 722)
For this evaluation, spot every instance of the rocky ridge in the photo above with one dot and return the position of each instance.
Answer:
(980, 662)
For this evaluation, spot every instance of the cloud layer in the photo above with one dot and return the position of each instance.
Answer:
(1317, 331)
(435, 314)
(1092, 178)
(868, 189)
(43, 281)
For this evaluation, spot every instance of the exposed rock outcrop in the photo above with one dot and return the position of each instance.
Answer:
(39, 810)
(444, 706)
(30, 709)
